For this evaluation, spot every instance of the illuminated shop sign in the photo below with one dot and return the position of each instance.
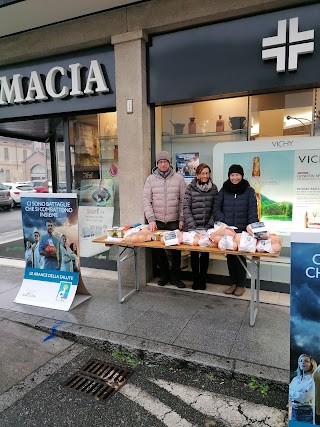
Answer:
(40, 88)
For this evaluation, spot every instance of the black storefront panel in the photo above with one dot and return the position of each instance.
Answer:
(59, 74)
(227, 57)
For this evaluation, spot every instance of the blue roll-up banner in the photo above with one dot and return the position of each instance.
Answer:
(304, 388)
(52, 275)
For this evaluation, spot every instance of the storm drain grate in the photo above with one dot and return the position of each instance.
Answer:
(98, 379)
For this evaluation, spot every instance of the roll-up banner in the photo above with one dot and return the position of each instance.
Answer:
(52, 275)
(304, 388)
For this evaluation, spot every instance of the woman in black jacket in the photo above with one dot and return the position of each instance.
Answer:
(236, 205)
(197, 212)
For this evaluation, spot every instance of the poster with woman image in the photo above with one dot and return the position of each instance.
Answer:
(285, 177)
(96, 212)
(304, 388)
(272, 183)
(51, 236)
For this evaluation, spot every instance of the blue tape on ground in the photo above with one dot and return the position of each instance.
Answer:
(53, 331)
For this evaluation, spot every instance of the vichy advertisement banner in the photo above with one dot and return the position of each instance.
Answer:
(285, 177)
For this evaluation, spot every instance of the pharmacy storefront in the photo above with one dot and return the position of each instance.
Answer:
(58, 116)
(246, 92)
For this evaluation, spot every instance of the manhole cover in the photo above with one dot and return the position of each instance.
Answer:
(98, 379)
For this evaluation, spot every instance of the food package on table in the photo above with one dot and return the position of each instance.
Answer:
(157, 235)
(171, 238)
(268, 246)
(138, 235)
(205, 241)
(226, 243)
(258, 230)
(190, 238)
(116, 232)
(247, 243)
(221, 229)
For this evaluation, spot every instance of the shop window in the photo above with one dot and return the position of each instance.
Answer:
(94, 162)
(6, 153)
(282, 114)
(190, 131)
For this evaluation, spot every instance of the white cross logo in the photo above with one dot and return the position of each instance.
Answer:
(296, 47)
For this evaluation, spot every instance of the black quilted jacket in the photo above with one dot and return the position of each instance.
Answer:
(197, 206)
(236, 206)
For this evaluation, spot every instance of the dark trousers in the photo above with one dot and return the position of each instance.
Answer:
(161, 256)
(199, 265)
(236, 271)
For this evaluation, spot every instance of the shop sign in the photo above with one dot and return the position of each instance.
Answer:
(11, 90)
(78, 81)
(256, 53)
(298, 45)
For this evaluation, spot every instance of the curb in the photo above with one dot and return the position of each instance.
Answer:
(163, 353)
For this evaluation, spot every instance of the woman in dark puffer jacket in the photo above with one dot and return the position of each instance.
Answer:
(197, 211)
(236, 205)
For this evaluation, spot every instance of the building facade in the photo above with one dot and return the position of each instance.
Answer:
(112, 87)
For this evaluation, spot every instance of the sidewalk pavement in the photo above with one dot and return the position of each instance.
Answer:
(197, 327)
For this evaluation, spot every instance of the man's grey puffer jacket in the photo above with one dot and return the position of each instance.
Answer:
(163, 197)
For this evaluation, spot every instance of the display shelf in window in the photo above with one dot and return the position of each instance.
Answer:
(108, 147)
(201, 135)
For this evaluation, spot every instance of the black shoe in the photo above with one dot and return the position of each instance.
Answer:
(202, 286)
(179, 284)
(163, 281)
(195, 286)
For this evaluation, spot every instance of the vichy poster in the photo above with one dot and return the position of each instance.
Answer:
(285, 177)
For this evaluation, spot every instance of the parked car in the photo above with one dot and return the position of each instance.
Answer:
(6, 201)
(15, 190)
(46, 187)
(40, 186)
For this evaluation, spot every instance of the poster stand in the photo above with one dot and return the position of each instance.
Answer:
(52, 277)
(304, 388)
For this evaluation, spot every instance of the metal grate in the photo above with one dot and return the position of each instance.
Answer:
(98, 379)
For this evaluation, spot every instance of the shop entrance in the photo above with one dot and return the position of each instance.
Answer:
(67, 154)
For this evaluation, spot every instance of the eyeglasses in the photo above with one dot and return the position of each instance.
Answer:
(163, 162)
(204, 173)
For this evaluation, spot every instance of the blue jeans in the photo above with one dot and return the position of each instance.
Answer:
(302, 414)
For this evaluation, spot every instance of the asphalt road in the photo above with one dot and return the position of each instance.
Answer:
(10, 225)
(156, 395)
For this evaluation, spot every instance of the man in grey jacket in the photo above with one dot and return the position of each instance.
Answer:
(163, 195)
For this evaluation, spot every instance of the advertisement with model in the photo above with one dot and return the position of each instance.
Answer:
(304, 388)
(52, 274)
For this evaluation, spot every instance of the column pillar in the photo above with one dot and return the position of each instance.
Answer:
(134, 134)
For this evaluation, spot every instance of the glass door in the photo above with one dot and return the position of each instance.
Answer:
(94, 176)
